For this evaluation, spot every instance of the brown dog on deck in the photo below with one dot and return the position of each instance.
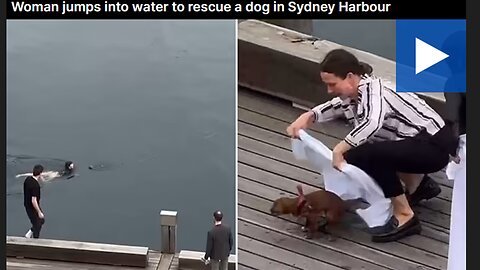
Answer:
(313, 206)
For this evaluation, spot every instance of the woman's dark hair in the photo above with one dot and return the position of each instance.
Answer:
(340, 62)
(67, 166)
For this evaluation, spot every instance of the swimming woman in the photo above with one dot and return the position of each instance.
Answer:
(46, 176)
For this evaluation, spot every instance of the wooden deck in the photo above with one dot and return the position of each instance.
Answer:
(268, 170)
(157, 261)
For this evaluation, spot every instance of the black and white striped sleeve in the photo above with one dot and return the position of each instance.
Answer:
(329, 110)
(374, 107)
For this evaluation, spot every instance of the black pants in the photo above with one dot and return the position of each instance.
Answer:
(36, 222)
(421, 154)
(457, 110)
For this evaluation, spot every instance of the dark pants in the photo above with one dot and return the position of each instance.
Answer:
(219, 264)
(421, 154)
(36, 222)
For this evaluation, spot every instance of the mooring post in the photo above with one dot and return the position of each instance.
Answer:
(168, 222)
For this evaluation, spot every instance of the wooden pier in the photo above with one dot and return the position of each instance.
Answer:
(156, 261)
(267, 170)
(23, 253)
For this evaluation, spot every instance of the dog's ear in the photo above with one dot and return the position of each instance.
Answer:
(300, 191)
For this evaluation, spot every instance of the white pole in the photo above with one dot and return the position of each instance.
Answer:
(168, 222)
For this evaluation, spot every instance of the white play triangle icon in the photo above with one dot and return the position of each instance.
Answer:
(426, 55)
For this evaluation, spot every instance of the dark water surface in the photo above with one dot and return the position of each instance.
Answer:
(151, 101)
(374, 36)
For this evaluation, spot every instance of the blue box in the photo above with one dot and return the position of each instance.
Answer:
(421, 43)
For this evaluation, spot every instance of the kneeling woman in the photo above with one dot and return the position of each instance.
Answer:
(394, 134)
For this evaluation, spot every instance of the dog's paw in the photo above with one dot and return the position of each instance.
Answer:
(311, 235)
(304, 229)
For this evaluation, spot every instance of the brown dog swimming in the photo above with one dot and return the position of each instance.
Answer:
(313, 206)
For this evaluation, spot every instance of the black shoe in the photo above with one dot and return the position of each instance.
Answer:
(427, 189)
(396, 232)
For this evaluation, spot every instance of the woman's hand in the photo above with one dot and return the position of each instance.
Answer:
(302, 122)
(337, 154)
(338, 160)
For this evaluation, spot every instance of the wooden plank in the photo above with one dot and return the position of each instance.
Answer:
(273, 152)
(53, 265)
(174, 263)
(74, 251)
(441, 178)
(282, 255)
(273, 108)
(278, 167)
(23, 264)
(154, 258)
(94, 247)
(393, 255)
(286, 186)
(300, 246)
(243, 267)
(273, 137)
(254, 261)
(284, 164)
(270, 194)
(273, 180)
(283, 111)
(442, 236)
(165, 261)
(277, 126)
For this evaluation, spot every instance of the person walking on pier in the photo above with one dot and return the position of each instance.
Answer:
(396, 137)
(31, 201)
(219, 244)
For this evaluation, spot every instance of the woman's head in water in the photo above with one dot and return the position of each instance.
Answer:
(340, 70)
(69, 166)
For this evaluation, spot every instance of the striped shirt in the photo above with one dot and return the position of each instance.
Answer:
(380, 114)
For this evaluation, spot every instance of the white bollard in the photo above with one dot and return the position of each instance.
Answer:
(168, 222)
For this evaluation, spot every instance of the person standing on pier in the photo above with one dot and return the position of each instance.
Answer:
(219, 244)
(31, 201)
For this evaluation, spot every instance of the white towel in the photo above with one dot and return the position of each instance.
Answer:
(458, 173)
(352, 183)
